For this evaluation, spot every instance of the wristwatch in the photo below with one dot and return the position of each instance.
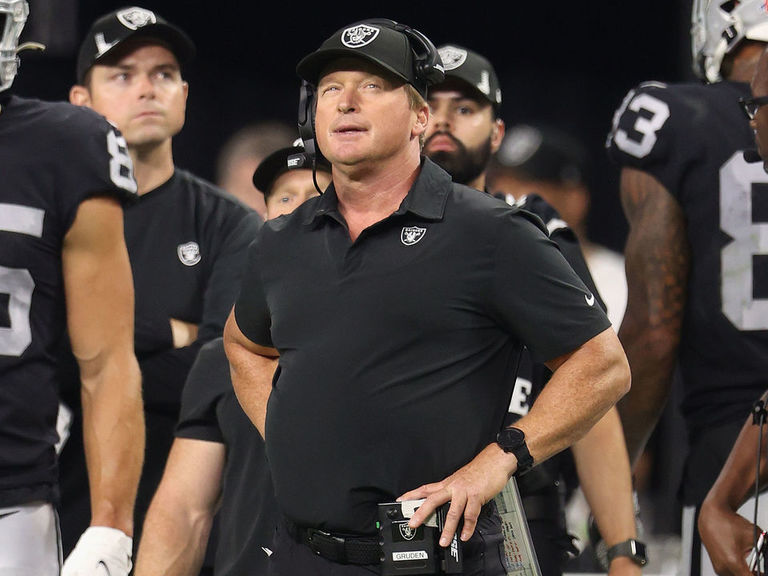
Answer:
(633, 549)
(513, 440)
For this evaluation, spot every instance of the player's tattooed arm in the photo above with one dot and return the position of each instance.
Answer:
(657, 258)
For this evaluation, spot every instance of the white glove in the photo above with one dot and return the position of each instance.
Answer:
(100, 551)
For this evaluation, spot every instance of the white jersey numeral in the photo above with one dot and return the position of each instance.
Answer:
(17, 283)
(120, 165)
(738, 181)
(652, 113)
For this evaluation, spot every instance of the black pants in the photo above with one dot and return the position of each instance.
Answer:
(482, 555)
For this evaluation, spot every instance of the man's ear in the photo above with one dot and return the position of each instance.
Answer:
(497, 134)
(422, 119)
(79, 95)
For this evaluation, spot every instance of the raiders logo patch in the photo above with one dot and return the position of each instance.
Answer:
(135, 18)
(359, 36)
(406, 532)
(452, 57)
(410, 235)
(189, 253)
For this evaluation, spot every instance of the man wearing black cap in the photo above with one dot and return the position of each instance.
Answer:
(382, 322)
(287, 181)
(63, 266)
(465, 131)
(186, 239)
(217, 461)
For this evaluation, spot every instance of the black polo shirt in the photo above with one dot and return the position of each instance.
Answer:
(398, 351)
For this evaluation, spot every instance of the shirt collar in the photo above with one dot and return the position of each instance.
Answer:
(426, 198)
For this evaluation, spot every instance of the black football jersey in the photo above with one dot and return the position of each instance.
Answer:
(691, 138)
(187, 242)
(54, 156)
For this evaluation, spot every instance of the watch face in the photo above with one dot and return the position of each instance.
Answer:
(510, 438)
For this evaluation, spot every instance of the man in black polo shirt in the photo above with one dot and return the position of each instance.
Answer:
(383, 321)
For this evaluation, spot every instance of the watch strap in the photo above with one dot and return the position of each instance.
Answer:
(520, 450)
(633, 549)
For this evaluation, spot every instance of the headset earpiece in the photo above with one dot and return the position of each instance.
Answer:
(429, 65)
(307, 118)
(427, 62)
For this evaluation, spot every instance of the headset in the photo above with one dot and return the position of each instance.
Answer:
(428, 68)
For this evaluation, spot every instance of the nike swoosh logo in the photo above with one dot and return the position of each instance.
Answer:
(106, 569)
(590, 299)
(11, 513)
(267, 551)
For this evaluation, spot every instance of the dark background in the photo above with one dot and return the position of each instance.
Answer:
(561, 63)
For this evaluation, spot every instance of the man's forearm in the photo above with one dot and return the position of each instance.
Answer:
(581, 390)
(604, 476)
(173, 543)
(113, 433)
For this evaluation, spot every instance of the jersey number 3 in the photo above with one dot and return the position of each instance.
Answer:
(652, 113)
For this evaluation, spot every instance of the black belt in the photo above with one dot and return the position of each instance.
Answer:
(341, 549)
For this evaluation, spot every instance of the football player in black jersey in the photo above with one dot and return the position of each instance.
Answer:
(63, 265)
(463, 134)
(727, 535)
(186, 238)
(696, 270)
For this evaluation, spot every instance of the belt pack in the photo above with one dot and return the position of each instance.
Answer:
(416, 551)
(398, 548)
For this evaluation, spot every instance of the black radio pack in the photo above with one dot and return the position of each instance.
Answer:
(416, 551)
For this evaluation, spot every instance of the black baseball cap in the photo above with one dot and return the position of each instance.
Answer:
(377, 40)
(543, 153)
(476, 70)
(281, 161)
(111, 30)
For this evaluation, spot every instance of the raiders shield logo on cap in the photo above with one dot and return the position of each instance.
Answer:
(359, 36)
(135, 18)
(452, 57)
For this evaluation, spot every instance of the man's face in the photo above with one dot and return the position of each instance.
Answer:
(760, 122)
(364, 114)
(462, 133)
(291, 189)
(141, 92)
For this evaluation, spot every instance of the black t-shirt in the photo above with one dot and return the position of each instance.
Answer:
(54, 156)
(187, 242)
(398, 351)
(211, 412)
(690, 137)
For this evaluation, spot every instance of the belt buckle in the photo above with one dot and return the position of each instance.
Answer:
(327, 545)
